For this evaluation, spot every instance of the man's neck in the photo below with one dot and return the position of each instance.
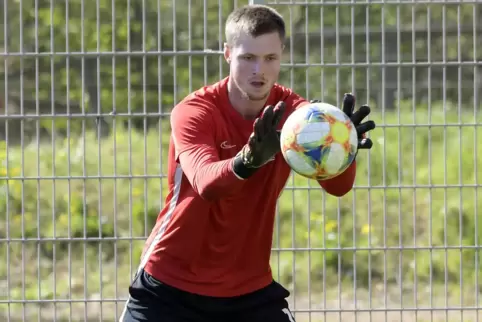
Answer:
(247, 108)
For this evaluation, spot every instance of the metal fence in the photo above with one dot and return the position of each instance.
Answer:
(86, 90)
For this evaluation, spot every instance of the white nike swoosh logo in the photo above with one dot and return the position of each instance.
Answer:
(226, 145)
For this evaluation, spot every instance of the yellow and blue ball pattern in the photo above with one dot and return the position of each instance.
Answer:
(319, 141)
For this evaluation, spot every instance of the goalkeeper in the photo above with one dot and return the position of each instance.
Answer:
(207, 258)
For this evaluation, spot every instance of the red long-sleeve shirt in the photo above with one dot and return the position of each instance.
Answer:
(214, 235)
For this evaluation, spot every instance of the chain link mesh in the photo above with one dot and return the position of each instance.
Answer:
(86, 90)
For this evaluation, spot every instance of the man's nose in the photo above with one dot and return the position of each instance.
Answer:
(257, 67)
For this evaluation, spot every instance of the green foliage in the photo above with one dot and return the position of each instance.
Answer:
(145, 57)
(415, 196)
(78, 202)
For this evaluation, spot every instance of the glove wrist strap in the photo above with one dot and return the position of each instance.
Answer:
(240, 168)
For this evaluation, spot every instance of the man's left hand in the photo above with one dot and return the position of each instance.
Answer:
(357, 118)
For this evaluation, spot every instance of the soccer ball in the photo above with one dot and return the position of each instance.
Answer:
(318, 141)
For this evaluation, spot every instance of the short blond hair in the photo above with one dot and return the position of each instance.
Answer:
(254, 20)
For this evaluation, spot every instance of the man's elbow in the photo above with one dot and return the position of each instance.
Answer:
(340, 185)
(338, 190)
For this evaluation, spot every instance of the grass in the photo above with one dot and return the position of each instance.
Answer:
(404, 237)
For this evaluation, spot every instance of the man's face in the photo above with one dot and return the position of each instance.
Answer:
(255, 64)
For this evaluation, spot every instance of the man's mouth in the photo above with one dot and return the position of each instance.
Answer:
(257, 84)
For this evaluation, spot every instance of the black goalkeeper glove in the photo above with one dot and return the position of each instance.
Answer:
(263, 144)
(357, 118)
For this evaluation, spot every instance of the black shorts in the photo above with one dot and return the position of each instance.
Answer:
(153, 301)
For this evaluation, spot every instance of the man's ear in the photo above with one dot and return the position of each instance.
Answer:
(227, 53)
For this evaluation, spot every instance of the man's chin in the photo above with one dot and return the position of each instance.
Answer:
(257, 96)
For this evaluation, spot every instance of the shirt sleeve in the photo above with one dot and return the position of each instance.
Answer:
(192, 129)
(296, 101)
(341, 184)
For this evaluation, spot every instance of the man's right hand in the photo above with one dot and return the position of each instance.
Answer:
(263, 144)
